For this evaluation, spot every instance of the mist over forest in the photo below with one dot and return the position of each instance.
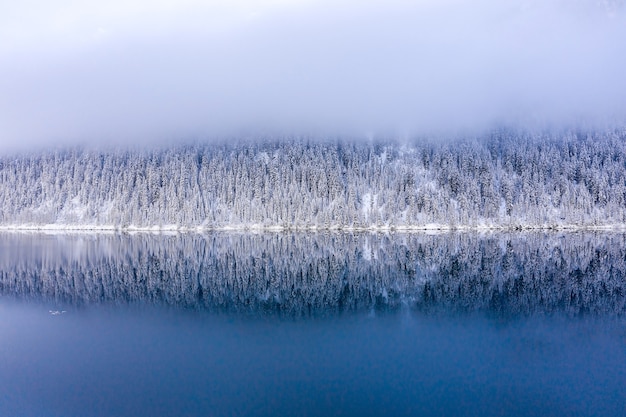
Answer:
(133, 71)
(99, 103)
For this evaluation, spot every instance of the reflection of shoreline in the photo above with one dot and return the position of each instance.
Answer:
(303, 274)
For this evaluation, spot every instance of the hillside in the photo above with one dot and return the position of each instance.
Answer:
(502, 180)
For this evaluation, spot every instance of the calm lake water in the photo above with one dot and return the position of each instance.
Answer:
(525, 324)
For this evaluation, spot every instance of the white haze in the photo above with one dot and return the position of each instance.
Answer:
(137, 71)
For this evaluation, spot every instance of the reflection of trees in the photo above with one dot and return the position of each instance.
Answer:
(302, 274)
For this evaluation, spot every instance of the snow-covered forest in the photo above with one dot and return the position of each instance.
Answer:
(507, 179)
(299, 274)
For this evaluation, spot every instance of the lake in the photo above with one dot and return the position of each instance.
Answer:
(229, 324)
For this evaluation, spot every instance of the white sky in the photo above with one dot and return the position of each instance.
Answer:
(121, 70)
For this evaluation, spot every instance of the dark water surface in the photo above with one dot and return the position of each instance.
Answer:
(314, 324)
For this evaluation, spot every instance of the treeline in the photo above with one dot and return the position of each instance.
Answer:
(304, 274)
(505, 179)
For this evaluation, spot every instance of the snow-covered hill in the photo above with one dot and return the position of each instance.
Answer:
(504, 180)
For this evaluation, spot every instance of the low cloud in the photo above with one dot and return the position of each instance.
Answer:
(194, 70)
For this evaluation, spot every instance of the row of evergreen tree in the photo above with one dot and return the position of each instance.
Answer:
(505, 179)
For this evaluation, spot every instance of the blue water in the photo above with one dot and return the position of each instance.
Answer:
(101, 326)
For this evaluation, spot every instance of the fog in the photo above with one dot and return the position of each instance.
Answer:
(139, 71)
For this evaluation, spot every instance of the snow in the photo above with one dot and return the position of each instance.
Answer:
(567, 181)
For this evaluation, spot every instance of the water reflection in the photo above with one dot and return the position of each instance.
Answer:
(310, 274)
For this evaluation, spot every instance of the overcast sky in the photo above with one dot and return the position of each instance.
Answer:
(143, 70)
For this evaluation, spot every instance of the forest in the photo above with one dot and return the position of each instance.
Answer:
(507, 179)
